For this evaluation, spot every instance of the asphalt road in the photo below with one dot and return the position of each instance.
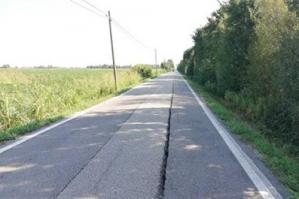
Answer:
(155, 141)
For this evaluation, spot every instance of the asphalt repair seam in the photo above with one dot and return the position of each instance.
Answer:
(140, 141)
(161, 186)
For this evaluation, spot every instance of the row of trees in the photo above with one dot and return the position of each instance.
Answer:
(167, 65)
(248, 53)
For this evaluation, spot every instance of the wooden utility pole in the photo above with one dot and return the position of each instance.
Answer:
(112, 51)
(156, 62)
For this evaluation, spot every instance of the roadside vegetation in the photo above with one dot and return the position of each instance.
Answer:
(150, 71)
(146, 71)
(247, 58)
(167, 65)
(31, 98)
(282, 163)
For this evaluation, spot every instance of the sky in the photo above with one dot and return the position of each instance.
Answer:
(60, 33)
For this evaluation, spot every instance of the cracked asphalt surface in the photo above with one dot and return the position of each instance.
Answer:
(120, 149)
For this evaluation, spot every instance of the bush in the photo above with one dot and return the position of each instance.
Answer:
(145, 71)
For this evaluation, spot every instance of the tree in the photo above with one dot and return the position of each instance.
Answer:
(237, 34)
(294, 6)
(248, 53)
(5, 66)
(167, 65)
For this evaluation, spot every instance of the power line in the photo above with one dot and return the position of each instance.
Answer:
(88, 9)
(124, 30)
(103, 14)
(129, 34)
(98, 9)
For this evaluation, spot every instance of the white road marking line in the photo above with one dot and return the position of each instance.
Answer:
(74, 116)
(264, 186)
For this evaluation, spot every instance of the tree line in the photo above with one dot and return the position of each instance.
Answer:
(248, 54)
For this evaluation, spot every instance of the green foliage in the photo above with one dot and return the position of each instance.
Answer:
(221, 47)
(273, 73)
(167, 65)
(248, 53)
(30, 98)
(146, 71)
(185, 65)
(181, 67)
(283, 164)
(237, 33)
(293, 5)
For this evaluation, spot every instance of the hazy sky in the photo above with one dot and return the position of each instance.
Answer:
(57, 32)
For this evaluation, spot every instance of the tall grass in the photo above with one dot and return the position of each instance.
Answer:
(30, 98)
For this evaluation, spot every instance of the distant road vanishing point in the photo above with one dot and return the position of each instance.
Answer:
(158, 140)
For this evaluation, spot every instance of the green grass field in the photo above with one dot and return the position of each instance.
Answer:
(31, 98)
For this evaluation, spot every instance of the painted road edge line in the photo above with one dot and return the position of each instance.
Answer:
(264, 186)
(25, 138)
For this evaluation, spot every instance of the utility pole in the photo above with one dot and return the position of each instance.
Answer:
(112, 51)
(156, 62)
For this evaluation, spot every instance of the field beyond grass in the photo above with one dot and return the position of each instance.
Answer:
(32, 98)
(283, 164)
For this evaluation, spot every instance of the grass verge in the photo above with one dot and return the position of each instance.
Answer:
(15, 132)
(283, 164)
(33, 98)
